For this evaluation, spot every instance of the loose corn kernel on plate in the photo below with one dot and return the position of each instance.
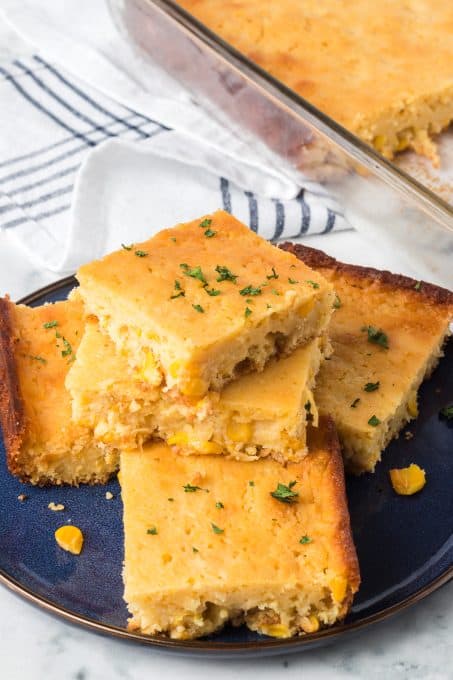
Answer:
(404, 542)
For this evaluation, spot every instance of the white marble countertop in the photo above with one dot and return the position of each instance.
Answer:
(417, 644)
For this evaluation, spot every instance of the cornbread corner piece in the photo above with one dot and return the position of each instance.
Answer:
(43, 446)
(207, 543)
(259, 414)
(208, 300)
(387, 335)
(335, 61)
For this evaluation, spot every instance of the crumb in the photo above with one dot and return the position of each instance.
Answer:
(108, 495)
(408, 435)
(56, 507)
(22, 497)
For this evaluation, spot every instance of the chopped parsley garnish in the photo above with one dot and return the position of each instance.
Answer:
(198, 308)
(50, 324)
(224, 274)
(290, 280)
(191, 488)
(212, 291)
(38, 358)
(268, 306)
(67, 348)
(179, 291)
(194, 549)
(205, 223)
(313, 284)
(275, 292)
(209, 233)
(141, 253)
(274, 274)
(284, 493)
(374, 421)
(418, 285)
(250, 290)
(371, 387)
(247, 312)
(305, 539)
(193, 272)
(126, 247)
(251, 483)
(355, 402)
(337, 302)
(219, 505)
(152, 531)
(447, 412)
(173, 239)
(216, 529)
(376, 336)
(170, 499)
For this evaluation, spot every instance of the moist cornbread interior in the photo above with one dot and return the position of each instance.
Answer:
(228, 550)
(414, 317)
(208, 300)
(384, 72)
(259, 414)
(43, 445)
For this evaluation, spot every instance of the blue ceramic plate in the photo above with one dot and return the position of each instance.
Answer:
(405, 544)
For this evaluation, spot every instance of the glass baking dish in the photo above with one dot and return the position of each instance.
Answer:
(378, 198)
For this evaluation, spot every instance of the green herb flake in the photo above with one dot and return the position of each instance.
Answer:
(371, 387)
(268, 306)
(216, 529)
(124, 247)
(67, 351)
(170, 499)
(247, 312)
(376, 336)
(194, 549)
(224, 274)
(179, 291)
(50, 324)
(337, 302)
(205, 223)
(35, 357)
(285, 494)
(152, 531)
(305, 539)
(418, 285)
(250, 290)
(190, 488)
(313, 284)
(374, 421)
(355, 402)
(141, 253)
(219, 505)
(447, 412)
(212, 291)
(198, 308)
(173, 239)
(290, 280)
(274, 275)
(275, 292)
(193, 272)
(209, 233)
(251, 483)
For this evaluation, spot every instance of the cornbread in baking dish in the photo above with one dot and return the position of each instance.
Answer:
(257, 415)
(385, 75)
(207, 543)
(43, 446)
(204, 302)
(387, 335)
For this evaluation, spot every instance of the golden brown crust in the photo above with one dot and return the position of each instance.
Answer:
(325, 438)
(12, 415)
(319, 260)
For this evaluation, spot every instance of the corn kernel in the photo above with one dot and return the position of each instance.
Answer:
(149, 368)
(174, 369)
(278, 630)
(206, 447)
(239, 432)
(412, 406)
(379, 142)
(409, 480)
(338, 587)
(178, 439)
(403, 143)
(69, 538)
(310, 624)
(196, 387)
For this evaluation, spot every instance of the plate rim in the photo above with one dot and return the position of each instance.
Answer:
(201, 647)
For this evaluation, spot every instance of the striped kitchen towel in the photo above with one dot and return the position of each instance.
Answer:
(66, 201)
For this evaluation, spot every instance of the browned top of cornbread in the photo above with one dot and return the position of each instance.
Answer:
(34, 405)
(353, 60)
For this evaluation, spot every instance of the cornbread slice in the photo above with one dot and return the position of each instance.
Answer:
(208, 300)
(207, 543)
(369, 389)
(43, 446)
(385, 75)
(257, 415)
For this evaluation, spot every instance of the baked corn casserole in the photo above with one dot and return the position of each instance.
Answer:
(385, 75)
(204, 302)
(259, 414)
(210, 540)
(43, 445)
(387, 335)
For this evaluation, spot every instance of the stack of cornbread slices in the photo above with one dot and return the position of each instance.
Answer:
(197, 361)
